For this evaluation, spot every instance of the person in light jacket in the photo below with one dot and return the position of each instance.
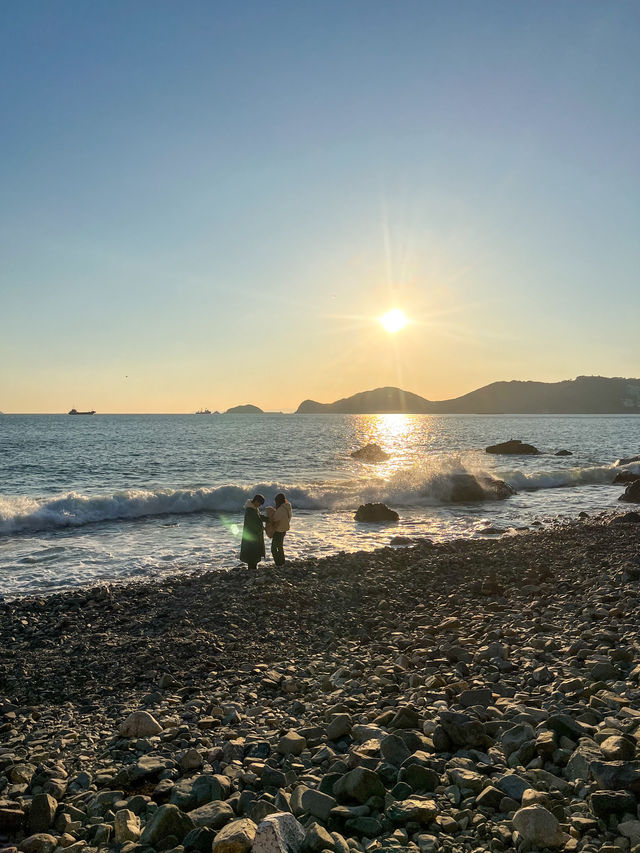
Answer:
(252, 546)
(281, 521)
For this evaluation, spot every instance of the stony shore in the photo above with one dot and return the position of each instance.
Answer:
(474, 695)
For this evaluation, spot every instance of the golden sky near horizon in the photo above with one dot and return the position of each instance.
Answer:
(431, 353)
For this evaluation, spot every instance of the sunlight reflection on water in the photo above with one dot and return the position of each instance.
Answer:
(163, 459)
(396, 434)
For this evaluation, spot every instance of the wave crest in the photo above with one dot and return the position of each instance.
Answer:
(411, 487)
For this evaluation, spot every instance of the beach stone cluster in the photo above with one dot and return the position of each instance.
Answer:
(471, 696)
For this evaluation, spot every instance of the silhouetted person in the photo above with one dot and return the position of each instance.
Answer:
(252, 547)
(281, 521)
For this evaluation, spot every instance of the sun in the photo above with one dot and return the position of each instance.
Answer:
(394, 320)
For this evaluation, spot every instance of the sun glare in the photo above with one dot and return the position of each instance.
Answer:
(394, 320)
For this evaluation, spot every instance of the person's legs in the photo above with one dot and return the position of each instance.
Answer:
(252, 566)
(277, 549)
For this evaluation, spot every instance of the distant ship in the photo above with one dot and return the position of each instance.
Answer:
(203, 412)
(76, 412)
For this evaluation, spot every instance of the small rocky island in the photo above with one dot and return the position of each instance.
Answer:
(244, 410)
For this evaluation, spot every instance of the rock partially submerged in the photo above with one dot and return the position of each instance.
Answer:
(631, 493)
(626, 477)
(513, 447)
(471, 487)
(371, 453)
(628, 460)
(376, 513)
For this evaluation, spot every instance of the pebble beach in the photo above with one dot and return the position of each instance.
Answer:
(460, 696)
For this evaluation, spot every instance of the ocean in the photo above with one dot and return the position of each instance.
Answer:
(85, 500)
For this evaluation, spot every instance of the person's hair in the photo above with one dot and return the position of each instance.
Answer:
(257, 499)
(279, 499)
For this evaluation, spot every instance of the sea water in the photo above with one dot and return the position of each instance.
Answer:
(112, 497)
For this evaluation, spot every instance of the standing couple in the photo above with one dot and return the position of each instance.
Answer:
(276, 523)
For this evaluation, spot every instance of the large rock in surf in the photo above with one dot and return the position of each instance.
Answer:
(467, 487)
(370, 453)
(626, 477)
(631, 493)
(513, 447)
(378, 512)
(628, 460)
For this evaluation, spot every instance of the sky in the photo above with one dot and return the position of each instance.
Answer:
(212, 203)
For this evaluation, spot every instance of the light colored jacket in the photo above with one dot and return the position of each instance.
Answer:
(281, 518)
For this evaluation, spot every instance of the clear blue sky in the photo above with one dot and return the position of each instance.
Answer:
(209, 203)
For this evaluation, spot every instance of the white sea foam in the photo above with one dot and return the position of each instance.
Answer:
(418, 486)
(559, 478)
(73, 509)
(632, 465)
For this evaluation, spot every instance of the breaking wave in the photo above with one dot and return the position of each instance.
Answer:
(522, 481)
(411, 487)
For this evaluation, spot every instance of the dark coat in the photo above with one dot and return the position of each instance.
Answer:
(252, 547)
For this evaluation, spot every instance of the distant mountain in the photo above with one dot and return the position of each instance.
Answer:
(370, 402)
(244, 410)
(585, 395)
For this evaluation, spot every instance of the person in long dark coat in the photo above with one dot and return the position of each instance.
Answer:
(252, 547)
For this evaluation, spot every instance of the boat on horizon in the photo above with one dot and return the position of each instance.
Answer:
(76, 412)
(203, 412)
